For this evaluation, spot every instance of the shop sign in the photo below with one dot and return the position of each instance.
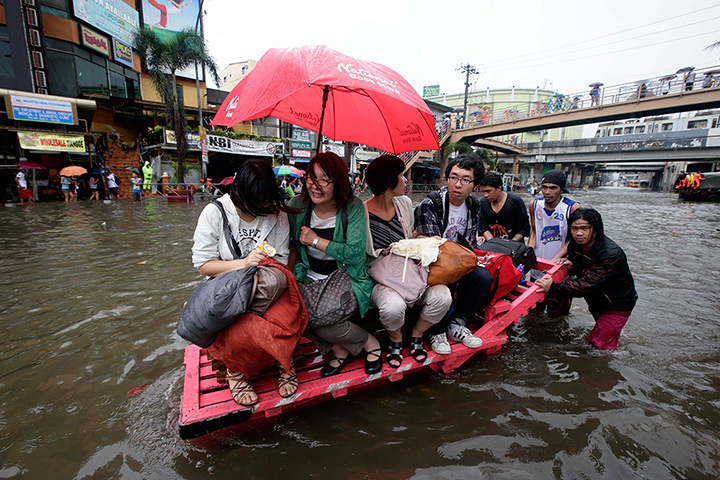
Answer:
(301, 145)
(94, 41)
(42, 109)
(229, 145)
(122, 52)
(362, 155)
(297, 153)
(431, 91)
(301, 134)
(337, 149)
(110, 16)
(51, 142)
(204, 150)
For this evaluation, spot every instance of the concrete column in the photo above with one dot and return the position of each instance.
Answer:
(516, 165)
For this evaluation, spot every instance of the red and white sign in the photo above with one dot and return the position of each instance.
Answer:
(301, 153)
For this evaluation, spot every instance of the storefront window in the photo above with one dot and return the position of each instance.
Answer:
(92, 78)
(118, 88)
(59, 81)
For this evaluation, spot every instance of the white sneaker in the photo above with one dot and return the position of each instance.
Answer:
(462, 334)
(439, 344)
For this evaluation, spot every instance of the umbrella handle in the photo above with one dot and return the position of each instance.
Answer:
(326, 91)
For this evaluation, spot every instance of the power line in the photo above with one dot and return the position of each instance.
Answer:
(601, 54)
(609, 34)
(610, 43)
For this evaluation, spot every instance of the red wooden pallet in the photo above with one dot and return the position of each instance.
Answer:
(208, 406)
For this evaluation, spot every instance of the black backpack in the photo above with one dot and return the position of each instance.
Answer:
(520, 253)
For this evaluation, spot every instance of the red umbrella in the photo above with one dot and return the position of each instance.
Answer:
(340, 97)
(31, 165)
(227, 180)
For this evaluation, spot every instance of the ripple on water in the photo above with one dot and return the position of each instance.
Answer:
(84, 323)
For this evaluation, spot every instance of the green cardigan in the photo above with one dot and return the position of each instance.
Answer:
(349, 254)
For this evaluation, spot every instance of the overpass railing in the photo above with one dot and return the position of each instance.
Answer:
(679, 83)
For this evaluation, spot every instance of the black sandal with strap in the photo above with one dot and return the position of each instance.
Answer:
(373, 366)
(417, 350)
(394, 356)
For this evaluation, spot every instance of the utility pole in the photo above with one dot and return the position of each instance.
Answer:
(468, 70)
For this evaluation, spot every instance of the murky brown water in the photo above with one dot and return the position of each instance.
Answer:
(83, 323)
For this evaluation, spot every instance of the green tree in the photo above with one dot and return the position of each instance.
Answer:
(164, 58)
(458, 148)
(494, 163)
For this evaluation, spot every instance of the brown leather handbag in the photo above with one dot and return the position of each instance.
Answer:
(453, 263)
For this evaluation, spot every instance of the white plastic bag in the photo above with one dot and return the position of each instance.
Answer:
(425, 249)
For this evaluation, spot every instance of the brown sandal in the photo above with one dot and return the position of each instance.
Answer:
(240, 389)
(288, 379)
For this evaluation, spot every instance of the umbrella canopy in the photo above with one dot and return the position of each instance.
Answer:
(338, 96)
(710, 72)
(72, 171)
(288, 170)
(134, 169)
(668, 77)
(31, 165)
(596, 84)
(227, 180)
(97, 171)
(685, 69)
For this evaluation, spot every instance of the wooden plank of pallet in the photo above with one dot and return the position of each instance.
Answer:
(207, 404)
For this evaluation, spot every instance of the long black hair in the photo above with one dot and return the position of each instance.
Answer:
(591, 216)
(255, 190)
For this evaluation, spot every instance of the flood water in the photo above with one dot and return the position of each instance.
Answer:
(83, 323)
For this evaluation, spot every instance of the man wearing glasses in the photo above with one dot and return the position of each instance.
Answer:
(452, 213)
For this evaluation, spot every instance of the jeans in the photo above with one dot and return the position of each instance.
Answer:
(471, 294)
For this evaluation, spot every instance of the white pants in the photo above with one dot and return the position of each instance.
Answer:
(435, 303)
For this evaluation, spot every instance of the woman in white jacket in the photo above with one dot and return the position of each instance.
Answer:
(390, 218)
(256, 213)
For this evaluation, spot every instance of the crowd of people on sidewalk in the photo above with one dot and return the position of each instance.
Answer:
(327, 244)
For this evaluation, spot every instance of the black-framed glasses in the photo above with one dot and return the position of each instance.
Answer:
(463, 181)
(322, 183)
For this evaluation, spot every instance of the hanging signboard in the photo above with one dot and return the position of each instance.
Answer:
(110, 16)
(337, 149)
(204, 150)
(301, 145)
(51, 142)
(230, 145)
(122, 52)
(301, 134)
(94, 41)
(431, 91)
(362, 155)
(297, 153)
(41, 109)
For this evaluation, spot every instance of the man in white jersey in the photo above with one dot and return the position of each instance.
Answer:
(549, 226)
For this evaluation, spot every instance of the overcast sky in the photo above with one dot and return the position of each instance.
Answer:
(561, 45)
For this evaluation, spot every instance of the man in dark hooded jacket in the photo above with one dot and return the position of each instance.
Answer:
(603, 277)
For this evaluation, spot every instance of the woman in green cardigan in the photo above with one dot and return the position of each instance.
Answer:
(325, 247)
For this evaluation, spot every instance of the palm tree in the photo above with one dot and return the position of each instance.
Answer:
(164, 58)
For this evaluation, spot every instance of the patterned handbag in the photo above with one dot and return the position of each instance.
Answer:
(329, 301)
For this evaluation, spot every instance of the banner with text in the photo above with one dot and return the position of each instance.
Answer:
(51, 142)
(111, 16)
